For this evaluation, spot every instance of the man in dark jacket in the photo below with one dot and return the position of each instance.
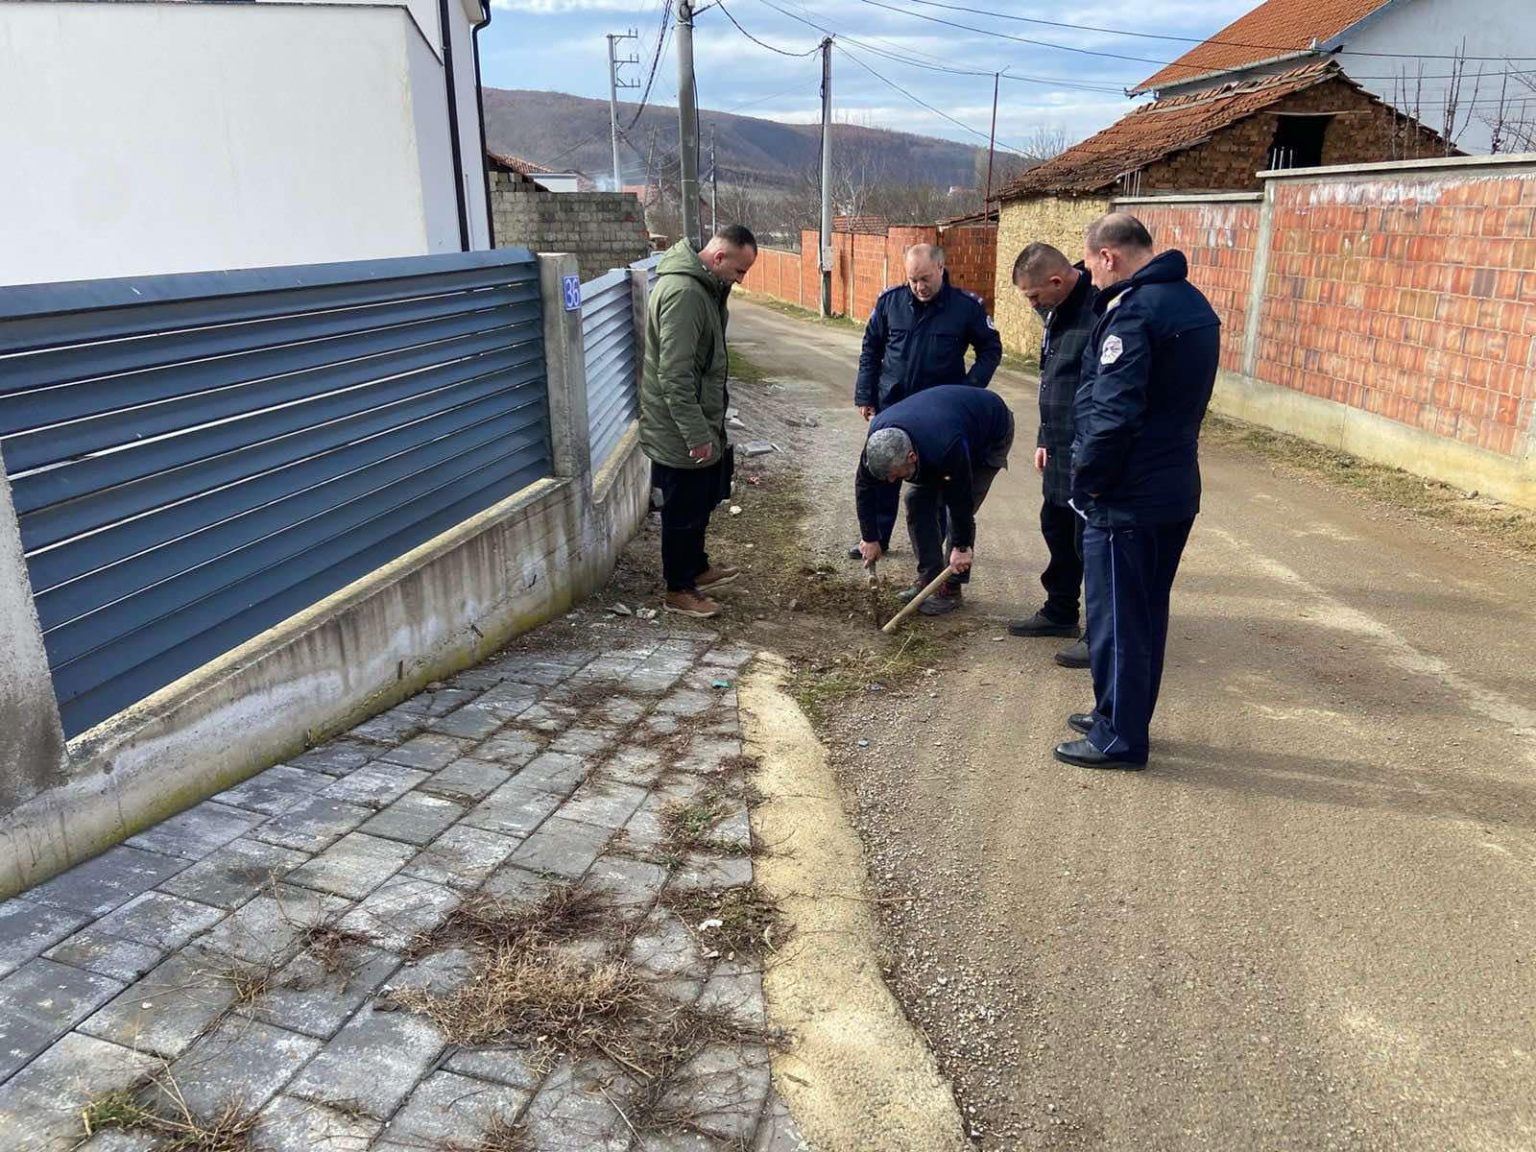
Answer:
(1147, 378)
(949, 443)
(917, 337)
(1063, 295)
(683, 402)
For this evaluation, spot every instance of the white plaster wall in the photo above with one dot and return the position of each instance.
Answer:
(170, 137)
(434, 151)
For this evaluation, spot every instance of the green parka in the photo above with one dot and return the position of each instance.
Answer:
(683, 381)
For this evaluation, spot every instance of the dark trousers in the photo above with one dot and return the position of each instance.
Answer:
(1063, 576)
(688, 496)
(1130, 575)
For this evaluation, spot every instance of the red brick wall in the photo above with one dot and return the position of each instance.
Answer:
(1219, 238)
(776, 273)
(1416, 301)
(970, 254)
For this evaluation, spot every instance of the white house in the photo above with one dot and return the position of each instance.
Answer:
(176, 136)
(1403, 51)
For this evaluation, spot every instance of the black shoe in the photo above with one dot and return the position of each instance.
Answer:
(1084, 755)
(1041, 625)
(1081, 722)
(945, 600)
(855, 553)
(1074, 657)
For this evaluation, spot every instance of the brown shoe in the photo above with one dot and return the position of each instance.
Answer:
(690, 603)
(717, 575)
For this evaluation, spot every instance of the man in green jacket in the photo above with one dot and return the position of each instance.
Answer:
(683, 402)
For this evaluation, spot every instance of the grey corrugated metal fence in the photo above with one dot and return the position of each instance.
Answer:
(612, 353)
(195, 458)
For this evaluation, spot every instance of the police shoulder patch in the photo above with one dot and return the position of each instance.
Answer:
(1111, 350)
(992, 324)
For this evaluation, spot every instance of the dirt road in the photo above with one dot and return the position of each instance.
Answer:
(1312, 923)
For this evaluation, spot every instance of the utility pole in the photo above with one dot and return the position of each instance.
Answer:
(714, 185)
(688, 122)
(826, 177)
(991, 148)
(614, 84)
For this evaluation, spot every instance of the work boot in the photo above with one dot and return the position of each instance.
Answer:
(945, 600)
(1042, 625)
(906, 595)
(1075, 656)
(689, 602)
(717, 575)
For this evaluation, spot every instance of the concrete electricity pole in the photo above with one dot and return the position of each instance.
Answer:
(614, 84)
(688, 122)
(714, 185)
(826, 177)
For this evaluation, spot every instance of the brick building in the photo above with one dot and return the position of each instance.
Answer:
(1213, 140)
(603, 229)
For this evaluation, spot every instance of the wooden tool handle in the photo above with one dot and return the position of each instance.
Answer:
(912, 604)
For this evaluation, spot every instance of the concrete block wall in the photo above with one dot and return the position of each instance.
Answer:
(603, 230)
(1057, 220)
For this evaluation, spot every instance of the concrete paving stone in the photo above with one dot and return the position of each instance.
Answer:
(198, 832)
(429, 751)
(585, 741)
(630, 886)
(551, 719)
(461, 857)
(234, 874)
(165, 1011)
(291, 1125)
(241, 1062)
(335, 757)
(466, 779)
(374, 785)
(354, 866)
(676, 1142)
(510, 749)
(274, 791)
(117, 1140)
(437, 703)
(734, 828)
(392, 727)
(467, 724)
(707, 754)
(728, 656)
(515, 1067)
(634, 764)
(705, 873)
(312, 825)
(401, 910)
(646, 831)
(506, 702)
(621, 712)
(724, 1090)
(685, 647)
(438, 973)
(686, 702)
(270, 927)
(374, 1062)
(664, 947)
(41, 1001)
(558, 772)
(735, 990)
(447, 1108)
(661, 724)
(682, 787)
(562, 848)
(415, 818)
(310, 998)
(476, 680)
(28, 929)
(515, 809)
(96, 951)
(514, 885)
(40, 1105)
(542, 673)
(778, 1131)
(160, 919)
(647, 682)
(603, 803)
(574, 1111)
(111, 879)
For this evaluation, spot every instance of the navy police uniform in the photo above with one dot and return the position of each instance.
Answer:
(909, 345)
(1147, 378)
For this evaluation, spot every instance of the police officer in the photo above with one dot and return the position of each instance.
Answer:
(1147, 379)
(917, 336)
(948, 443)
(1063, 295)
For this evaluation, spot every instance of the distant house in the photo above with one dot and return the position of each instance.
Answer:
(546, 178)
(1398, 50)
(168, 136)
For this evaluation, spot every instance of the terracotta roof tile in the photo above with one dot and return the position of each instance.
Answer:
(1160, 129)
(1274, 30)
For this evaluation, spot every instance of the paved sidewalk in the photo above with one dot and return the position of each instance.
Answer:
(315, 960)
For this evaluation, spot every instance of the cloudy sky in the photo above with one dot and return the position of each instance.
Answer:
(1067, 79)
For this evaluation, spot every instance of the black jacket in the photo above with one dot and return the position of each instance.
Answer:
(1148, 373)
(1068, 328)
(954, 430)
(910, 346)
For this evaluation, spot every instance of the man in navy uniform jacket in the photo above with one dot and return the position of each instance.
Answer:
(1147, 377)
(948, 443)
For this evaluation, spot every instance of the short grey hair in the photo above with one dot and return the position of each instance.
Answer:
(885, 451)
(927, 252)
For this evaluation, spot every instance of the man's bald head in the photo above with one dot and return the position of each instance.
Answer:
(925, 270)
(1116, 248)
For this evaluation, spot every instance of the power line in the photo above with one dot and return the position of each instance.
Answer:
(661, 43)
(720, 4)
